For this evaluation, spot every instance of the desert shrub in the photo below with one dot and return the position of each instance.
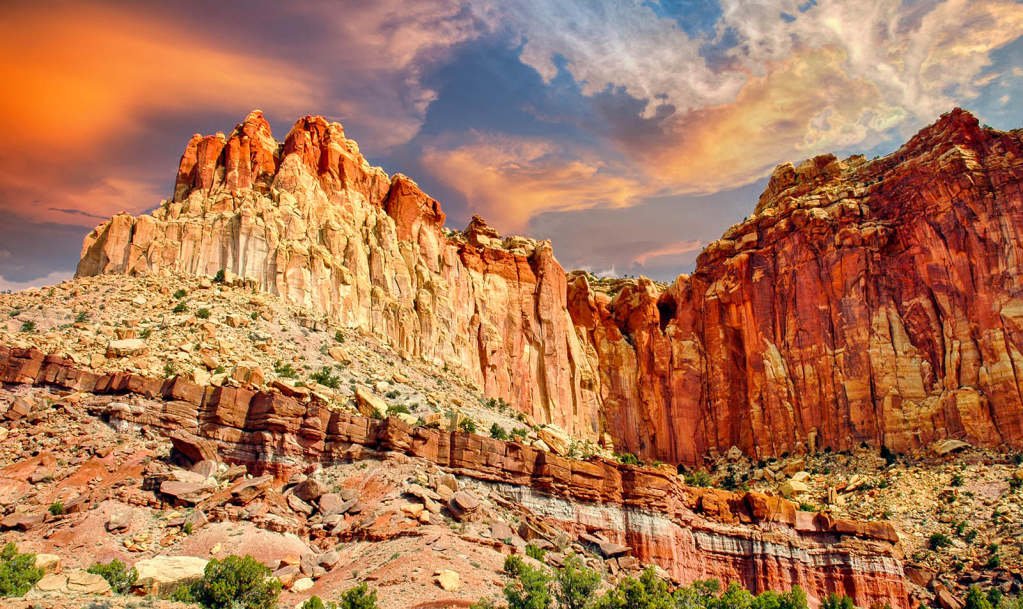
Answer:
(497, 432)
(957, 480)
(28, 326)
(467, 425)
(285, 370)
(339, 337)
(82, 317)
(203, 313)
(530, 588)
(359, 597)
(938, 541)
(576, 584)
(535, 552)
(836, 601)
(117, 574)
(975, 599)
(698, 478)
(219, 277)
(178, 295)
(18, 572)
(57, 507)
(325, 378)
(628, 458)
(181, 307)
(236, 583)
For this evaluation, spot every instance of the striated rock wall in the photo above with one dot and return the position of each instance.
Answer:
(874, 301)
(310, 220)
(761, 541)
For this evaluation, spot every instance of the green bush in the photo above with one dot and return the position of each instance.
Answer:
(957, 480)
(628, 459)
(836, 601)
(467, 425)
(178, 295)
(975, 599)
(325, 378)
(285, 370)
(117, 574)
(497, 432)
(339, 337)
(698, 478)
(18, 572)
(203, 313)
(359, 597)
(181, 307)
(28, 326)
(530, 588)
(57, 507)
(535, 552)
(938, 541)
(394, 409)
(236, 583)
(315, 602)
(219, 277)
(576, 584)
(82, 318)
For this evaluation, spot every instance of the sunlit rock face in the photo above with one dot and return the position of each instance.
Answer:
(864, 301)
(310, 220)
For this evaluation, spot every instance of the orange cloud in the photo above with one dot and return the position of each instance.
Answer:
(668, 249)
(82, 79)
(511, 179)
(803, 106)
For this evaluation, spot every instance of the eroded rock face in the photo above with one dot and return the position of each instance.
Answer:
(870, 301)
(309, 219)
(761, 541)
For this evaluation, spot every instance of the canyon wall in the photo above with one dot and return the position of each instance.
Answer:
(760, 541)
(311, 221)
(864, 301)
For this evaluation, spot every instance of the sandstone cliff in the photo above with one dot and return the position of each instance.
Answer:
(870, 301)
(864, 301)
(310, 220)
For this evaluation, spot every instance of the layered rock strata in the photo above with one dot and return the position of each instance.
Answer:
(311, 221)
(864, 301)
(761, 541)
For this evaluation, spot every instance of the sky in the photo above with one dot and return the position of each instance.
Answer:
(631, 133)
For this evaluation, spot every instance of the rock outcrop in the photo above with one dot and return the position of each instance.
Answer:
(761, 541)
(864, 301)
(310, 220)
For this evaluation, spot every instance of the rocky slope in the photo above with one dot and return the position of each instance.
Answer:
(626, 515)
(864, 301)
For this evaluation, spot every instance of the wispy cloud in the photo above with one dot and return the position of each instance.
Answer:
(51, 279)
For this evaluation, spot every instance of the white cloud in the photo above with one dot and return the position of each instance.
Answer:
(52, 279)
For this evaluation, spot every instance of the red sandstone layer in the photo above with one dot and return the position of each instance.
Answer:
(764, 542)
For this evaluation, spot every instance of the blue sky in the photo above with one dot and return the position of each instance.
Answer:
(631, 133)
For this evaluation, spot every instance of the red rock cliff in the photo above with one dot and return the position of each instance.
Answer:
(871, 301)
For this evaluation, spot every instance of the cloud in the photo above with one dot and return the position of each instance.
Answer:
(4, 253)
(51, 279)
(510, 179)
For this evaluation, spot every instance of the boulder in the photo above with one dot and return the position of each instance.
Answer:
(126, 348)
(162, 575)
(302, 585)
(80, 582)
(557, 440)
(310, 490)
(50, 563)
(464, 506)
(188, 493)
(368, 404)
(194, 448)
(448, 580)
(250, 489)
(119, 520)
